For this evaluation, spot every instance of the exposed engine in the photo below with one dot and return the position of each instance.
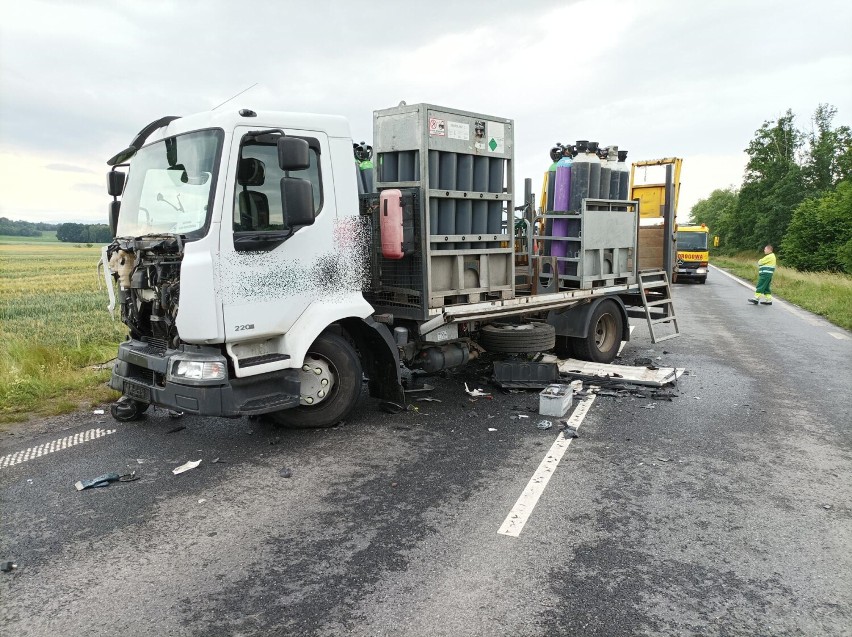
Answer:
(148, 273)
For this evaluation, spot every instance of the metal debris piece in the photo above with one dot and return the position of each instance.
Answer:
(8, 567)
(544, 425)
(186, 467)
(174, 413)
(491, 429)
(202, 501)
(476, 393)
(827, 507)
(176, 429)
(98, 412)
(428, 399)
(649, 406)
(392, 407)
(664, 459)
(216, 460)
(567, 432)
(285, 473)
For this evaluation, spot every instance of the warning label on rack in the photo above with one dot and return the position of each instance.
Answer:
(458, 130)
(437, 126)
(496, 136)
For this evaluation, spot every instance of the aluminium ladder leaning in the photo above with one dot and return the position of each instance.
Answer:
(657, 293)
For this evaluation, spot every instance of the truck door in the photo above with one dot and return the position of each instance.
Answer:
(270, 273)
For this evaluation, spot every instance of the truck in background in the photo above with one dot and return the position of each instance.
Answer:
(693, 254)
(255, 279)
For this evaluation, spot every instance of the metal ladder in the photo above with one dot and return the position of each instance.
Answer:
(657, 293)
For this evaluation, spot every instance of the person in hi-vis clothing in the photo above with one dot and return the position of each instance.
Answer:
(765, 270)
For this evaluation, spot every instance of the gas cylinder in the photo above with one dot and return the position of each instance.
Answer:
(624, 179)
(594, 171)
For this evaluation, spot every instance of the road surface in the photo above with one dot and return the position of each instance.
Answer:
(725, 511)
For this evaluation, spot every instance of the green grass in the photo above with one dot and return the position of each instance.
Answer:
(823, 293)
(53, 327)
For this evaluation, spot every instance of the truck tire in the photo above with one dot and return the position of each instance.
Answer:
(703, 279)
(330, 358)
(604, 338)
(518, 339)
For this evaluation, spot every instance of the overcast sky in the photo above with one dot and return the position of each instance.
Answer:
(660, 78)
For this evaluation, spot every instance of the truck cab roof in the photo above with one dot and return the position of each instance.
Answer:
(228, 119)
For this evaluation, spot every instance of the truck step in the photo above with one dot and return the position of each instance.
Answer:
(263, 359)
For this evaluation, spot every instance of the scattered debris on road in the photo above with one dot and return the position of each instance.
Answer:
(186, 467)
(544, 425)
(176, 429)
(285, 473)
(476, 393)
(98, 412)
(105, 480)
(428, 400)
(491, 429)
(8, 567)
(392, 407)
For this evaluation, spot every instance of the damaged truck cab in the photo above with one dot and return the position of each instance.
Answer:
(239, 265)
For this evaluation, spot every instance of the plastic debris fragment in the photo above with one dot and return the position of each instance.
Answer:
(186, 467)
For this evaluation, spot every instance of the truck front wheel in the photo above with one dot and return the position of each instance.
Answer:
(605, 329)
(330, 385)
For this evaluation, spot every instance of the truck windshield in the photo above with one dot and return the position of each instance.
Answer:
(170, 186)
(691, 240)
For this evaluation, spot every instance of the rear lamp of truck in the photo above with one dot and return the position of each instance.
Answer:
(199, 370)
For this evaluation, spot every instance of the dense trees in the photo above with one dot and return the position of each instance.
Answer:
(84, 233)
(23, 228)
(796, 195)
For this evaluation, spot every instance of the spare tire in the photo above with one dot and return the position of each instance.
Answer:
(518, 339)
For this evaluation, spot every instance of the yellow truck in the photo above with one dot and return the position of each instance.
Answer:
(693, 255)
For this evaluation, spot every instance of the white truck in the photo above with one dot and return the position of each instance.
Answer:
(253, 280)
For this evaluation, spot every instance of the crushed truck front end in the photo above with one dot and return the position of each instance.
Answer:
(236, 265)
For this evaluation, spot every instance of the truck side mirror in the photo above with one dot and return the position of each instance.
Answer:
(115, 183)
(293, 153)
(114, 207)
(297, 198)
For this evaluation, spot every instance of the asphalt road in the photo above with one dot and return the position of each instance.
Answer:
(725, 511)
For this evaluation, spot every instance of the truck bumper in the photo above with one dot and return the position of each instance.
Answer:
(144, 373)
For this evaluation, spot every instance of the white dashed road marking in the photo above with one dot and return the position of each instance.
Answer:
(50, 447)
(520, 513)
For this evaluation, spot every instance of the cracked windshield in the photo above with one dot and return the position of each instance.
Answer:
(169, 189)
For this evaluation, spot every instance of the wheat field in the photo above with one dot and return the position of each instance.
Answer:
(54, 326)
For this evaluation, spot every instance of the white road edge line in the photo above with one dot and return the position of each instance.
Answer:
(520, 513)
(24, 455)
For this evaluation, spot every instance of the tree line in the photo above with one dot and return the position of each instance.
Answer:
(23, 228)
(84, 233)
(68, 232)
(796, 195)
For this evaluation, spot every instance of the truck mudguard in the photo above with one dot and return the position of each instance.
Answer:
(574, 321)
(379, 357)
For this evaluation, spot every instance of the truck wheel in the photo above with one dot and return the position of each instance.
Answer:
(605, 329)
(703, 279)
(331, 385)
(518, 339)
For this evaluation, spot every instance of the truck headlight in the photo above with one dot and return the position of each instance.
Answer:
(199, 370)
